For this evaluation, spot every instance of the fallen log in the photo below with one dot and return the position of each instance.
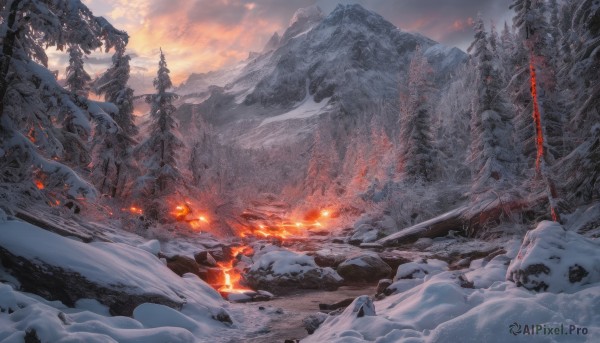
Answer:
(464, 219)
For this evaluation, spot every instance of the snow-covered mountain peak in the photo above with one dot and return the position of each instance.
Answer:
(312, 14)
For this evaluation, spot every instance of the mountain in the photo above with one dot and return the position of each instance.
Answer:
(339, 64)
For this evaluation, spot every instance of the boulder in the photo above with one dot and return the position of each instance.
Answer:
(382, 286)
(204, 258)
(555, 260)
(117, 275)
(312, 322)
(279, 270)
(392, 259)
(418, 270)
(364, 267)
(183, 264)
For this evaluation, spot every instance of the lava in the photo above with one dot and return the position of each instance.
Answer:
(231, 277)
(282, 229)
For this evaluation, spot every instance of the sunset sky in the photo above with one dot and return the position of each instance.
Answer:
(204, 35)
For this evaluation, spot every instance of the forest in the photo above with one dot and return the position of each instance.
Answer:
(349, 163)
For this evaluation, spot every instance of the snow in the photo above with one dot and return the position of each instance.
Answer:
(306, 109)
(558, 255)
(439, 310)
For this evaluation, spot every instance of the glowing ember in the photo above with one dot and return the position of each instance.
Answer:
(266, 227)
(133, 210)
(537, 118)
(39, 184)
(181, 211)
(231, 277)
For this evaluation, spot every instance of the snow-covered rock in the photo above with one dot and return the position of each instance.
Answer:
(555, 260)
(419, 270)
(115, 274)
(276, 269)
(365, 267)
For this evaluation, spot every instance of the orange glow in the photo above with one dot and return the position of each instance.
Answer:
(181, 211)
(133, 210)
(284, 229)
(231, 277)
(536, 118)
(31, 135)
(39, 184)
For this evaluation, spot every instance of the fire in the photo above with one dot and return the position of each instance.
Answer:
(39, 184)
(181, 211)
(537, 118)
(283, 229)
(231, 277)
(133, 210)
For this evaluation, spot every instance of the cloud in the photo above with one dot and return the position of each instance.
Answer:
(203, 35)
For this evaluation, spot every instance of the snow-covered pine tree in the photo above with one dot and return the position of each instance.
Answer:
(322, 162)
(113, 166)
(583, 165)
(161, 177)
(31, 100)
(417, 155)
(77, 82)
(493, 155)
(531, 23)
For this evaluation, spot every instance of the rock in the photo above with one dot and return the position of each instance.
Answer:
(312, 322)
(204, 258)
(183, 264)
(555, 260)
(56, 283)
(418, 270)
(365, 267)
(371, 246)
(365, 233)
(392, 259)
(423, 243)
(279, 270)
(362, 306)
(382, 286)
(326, 258)
(212, 275)
(340, 304)
(67, 270)
(31, 336)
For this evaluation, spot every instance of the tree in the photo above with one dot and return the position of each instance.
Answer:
(161, 175)
(492, 151)
(113, 167)
(77, 81)
(31, 100)
(530, 20)
(416, 147)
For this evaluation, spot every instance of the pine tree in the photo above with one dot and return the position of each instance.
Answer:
(416, 147)
(583, 164)
(77, 82)
(492, 150)
(113, 167)
(31, 100)
(161, 176)
(530, 20)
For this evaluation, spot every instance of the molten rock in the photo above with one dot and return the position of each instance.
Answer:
(555, 260)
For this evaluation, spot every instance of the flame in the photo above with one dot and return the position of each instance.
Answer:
(537, 118)
(31, 135)
(231, 277)
(134, 210)
(283, 229)
(39, 184)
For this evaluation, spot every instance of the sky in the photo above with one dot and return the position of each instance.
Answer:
(203, 35)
